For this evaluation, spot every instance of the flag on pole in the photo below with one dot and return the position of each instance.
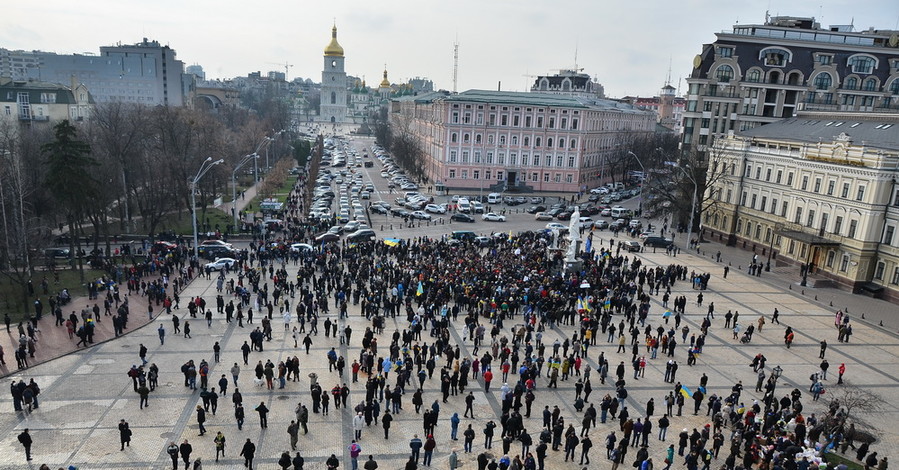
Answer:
(420, 290)
(685, 391)
(391, 241)
(589, 246)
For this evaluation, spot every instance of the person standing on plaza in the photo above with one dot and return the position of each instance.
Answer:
(385, 423)
(172, 450)
(201, 418)
(263, 414)
(161, 331)
(239, 415)
(841, 370)
(354, 449)
(430, 445)
(248, 452)
(823, 349)
(185, 449)
(144, 394)
(142, 353)
(25, 440)
(293, 430)
(124, 434)
(219, 445)
(415, 444)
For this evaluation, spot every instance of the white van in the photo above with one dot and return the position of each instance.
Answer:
(585, 222)
(618, 212)
(464, 205)
(494, 198)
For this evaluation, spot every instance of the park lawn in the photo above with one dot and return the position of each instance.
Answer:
(10, 294)
(181, 223)
(280, 195)
(833, 459)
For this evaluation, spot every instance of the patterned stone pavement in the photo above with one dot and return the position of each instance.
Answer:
(86, 393)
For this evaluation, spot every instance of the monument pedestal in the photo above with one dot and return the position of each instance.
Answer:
(574, 265)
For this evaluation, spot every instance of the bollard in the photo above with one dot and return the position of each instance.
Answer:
(791, 286)
(816, 297)
(803, 291)
(831, 303)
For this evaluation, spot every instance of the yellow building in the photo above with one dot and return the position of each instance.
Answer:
(33, 102)
(818, 191)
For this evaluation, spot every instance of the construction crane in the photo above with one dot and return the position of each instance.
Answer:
(286, 66)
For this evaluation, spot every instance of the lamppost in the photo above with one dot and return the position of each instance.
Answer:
(776, 373)
(265, 141)
(270, 140)
(640, 198)
(204, 168)
(246, 159)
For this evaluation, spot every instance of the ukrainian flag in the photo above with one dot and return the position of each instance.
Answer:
(685, 391)
(391, 241)
(420, 290)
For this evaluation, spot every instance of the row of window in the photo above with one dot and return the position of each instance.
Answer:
(526, 140)
(454, 173)
(516, 121)
(804, 185)
(526, 160)
(821, 81)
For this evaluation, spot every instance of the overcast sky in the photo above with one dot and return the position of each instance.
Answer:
(626, 45)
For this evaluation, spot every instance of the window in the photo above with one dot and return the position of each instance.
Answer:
(896, 276)
(783, 209)
(861, 64)
(804, 183)
(823, 81)
(811, 218)
(894, 87)
(477, 156)
(557, 178)
(549, 142)
(825, 59)
(524, 160)
(838, 225)
(845, 190)
(561, 143)
(537, 142)
(789, 179)
(798, 218)
(724, 73)
(559, 160)
(758, 173)
(477, 139)
(758, 231)
(452, 173)
(775, 57)
(534, 176)
(569, 178)
(768, 174)
(764, 203)
(476, 174)
(817, 185)
(527, 122)
(536, 160)
(830, 186)
(546, 177)
(570, 162)
(526, 141)
(748, 171)
(754, 199)
(465, 156)
(878, 271)
(830, 257)
(853, 226)
(870, 84)
(743, 199)
(754, 76)
(504, 120)
(773, 205)
(453, 156)
(466, 138)
(502, 140)
(464, 174)
(844, 263)
(489, 158)
(779, 175)
(726, 51)
(333, 97)
(860, 194)
(454, 137)
(888, 235)
(501, 159)
(455, 117)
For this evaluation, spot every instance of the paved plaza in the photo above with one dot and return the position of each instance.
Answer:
(85, 394)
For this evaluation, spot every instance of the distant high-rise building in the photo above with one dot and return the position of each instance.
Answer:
(197, 71)
(144, 73)
(761, 73)
(334, 83)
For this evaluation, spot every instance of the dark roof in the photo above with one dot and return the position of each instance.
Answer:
(9, 90)
(875, 130)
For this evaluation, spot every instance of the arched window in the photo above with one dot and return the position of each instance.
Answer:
(823, 81)
(333, 97)
(454, 138)
(724, 73)
(477, 139)
(526, 141)
(793, 78)
(549, 142)
(862, 64)
(754, 76)
(870, 84)
(894, 87)
(561, 143)
(537, 140)
(852, 83)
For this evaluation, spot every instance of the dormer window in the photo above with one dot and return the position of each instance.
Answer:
(726, 51)
(862, 64)
(775, 57)
(724, 73)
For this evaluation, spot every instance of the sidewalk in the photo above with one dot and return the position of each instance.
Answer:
(877, 313)
(53, 341)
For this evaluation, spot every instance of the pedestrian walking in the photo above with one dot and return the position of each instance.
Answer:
(219, 445)
(248, 452)
(124, 434)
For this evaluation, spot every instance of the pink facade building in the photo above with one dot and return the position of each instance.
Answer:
(498, 140)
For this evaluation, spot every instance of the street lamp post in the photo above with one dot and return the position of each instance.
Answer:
(270, 140)
(776, 373)
(692, 206)
(204, 168)
(640, 198)
(246, 159)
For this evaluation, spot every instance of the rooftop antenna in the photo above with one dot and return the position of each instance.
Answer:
(456, 63)
(575, 53)
(668, 79)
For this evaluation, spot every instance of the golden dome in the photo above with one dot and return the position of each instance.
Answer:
(334, 48)
(385, 83)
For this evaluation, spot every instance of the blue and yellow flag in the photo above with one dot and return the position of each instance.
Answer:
(420, 290)
(391, 241)
(686, 392)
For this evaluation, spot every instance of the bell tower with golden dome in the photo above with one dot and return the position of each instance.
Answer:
(333, 106)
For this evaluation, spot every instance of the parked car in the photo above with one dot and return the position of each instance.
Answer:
(557, 226)
(659, 242)
(459, 217)
(365, 234)
(327, 237)
(632, 246)
(564, 215)
(221, 263)
(435, 209)
(421, 215)
(542, 216)
(536, 209)
(493, 217)
(600, 224)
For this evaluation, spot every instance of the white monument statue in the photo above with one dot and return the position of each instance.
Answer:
(574, 234)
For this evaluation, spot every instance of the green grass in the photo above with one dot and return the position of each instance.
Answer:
(280, 195)
(11, 294)
(834, 459)
(181, 223)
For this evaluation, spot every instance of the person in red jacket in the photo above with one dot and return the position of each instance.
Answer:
(488, 376)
